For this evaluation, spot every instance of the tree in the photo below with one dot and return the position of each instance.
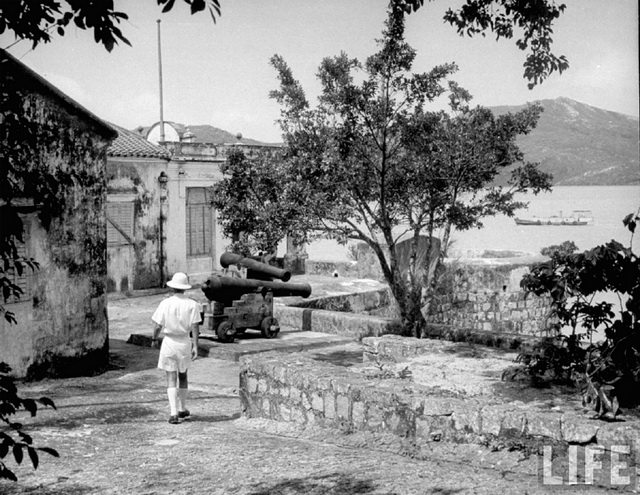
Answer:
(35, 21)
(370, 163)
(247, 200)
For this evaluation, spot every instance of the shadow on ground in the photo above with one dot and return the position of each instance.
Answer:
(334, 484)
(10, 488)
(128, 358)
(339, 358)
(337, 484)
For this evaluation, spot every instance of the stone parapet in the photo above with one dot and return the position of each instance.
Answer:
(297, 389)
(356, 302)
(394, 348)
(351, 325)
(485, 295)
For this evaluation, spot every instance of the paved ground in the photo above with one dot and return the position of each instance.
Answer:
(113, 437)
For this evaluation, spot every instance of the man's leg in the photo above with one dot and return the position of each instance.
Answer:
(172, 394)
(183, 387)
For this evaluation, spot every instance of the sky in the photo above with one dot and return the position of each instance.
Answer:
(219, 74)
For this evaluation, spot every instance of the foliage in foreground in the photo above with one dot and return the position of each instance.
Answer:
(13, 441)
(607, 372)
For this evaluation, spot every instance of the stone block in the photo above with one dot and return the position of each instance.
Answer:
(374, 418)
(284, 412)
(615, 434)
(491, 419)
(252, 385)
(329, 406)
(263, 385)
(342, 405)
(514, 423)
(437, 406)
(544, 424)
(423, 428)
(576, 429)
(323, 384)
(317, 402)
(467, 419)
(298, 416)
(357, 414)
(305, 401)
(433, 428)
(295, 395)
(341, 387)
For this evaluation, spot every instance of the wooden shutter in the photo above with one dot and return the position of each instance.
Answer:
(120, 224)
(199, 222)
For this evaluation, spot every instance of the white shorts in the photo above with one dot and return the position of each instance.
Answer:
(175, 353)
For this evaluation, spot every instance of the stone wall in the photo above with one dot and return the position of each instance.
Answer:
(480, 293)
(484, 295)
(298, 390)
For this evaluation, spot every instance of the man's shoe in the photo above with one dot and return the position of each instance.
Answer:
(184, 414)
(174, 420)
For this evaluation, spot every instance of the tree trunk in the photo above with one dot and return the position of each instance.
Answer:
(408, 297)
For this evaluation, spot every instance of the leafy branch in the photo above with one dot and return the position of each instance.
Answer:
(607, 372)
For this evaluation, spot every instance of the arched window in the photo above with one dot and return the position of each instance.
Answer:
(199, 222)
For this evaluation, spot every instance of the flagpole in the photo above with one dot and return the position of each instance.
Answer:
(160, 76)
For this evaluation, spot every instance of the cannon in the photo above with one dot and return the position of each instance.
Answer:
(256, 269)
(247, 303)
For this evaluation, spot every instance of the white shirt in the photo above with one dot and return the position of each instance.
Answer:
(177, 314)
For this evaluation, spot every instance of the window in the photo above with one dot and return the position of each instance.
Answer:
(120, 224)
(199, 222)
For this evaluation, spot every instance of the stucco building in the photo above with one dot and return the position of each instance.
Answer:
(159, 216)
(53, 160)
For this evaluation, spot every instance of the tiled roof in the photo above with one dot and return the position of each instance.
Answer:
(131, 144)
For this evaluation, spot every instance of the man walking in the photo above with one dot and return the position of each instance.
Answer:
(177, 317)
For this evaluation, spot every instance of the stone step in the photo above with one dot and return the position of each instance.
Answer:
(252, 342)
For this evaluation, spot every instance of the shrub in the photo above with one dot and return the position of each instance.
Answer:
(607, 372)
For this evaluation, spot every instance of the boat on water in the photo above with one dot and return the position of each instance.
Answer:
(578, 217)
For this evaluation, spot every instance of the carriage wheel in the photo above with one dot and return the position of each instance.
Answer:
(226, 332)
(269, 327)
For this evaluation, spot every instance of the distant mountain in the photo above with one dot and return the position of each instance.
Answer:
(582, 145)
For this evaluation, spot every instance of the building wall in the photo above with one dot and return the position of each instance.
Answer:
(138, 264)
(62, 326)
(159, 246)
(182, 176)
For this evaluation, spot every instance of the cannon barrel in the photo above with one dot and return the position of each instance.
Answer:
(224, 289)
(257, 266)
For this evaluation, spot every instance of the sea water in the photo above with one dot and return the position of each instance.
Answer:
(608, 204)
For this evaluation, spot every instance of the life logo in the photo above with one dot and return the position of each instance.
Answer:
(589, 465)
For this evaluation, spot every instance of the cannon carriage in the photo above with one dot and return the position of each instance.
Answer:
(239, 304)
